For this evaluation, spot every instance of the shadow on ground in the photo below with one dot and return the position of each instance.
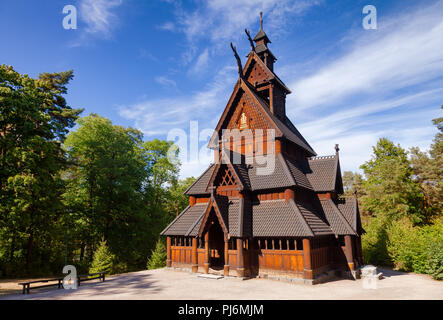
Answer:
(129, 284)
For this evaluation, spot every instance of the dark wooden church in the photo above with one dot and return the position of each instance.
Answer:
(291, 223)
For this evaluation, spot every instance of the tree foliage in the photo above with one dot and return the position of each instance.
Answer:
(177, 199)
(103, 260)
(402, 201)
(62, 193)
(34, 121)
(428, 172)
(388, 185)
(105, 190)
(158, 256)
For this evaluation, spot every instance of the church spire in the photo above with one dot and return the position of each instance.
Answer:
(261, 46)
(261, 20)
(261, 36)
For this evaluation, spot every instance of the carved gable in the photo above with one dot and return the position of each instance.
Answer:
(245, 115)
(225, 178)
(256, 75)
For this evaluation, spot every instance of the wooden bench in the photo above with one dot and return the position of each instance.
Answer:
(59, 284)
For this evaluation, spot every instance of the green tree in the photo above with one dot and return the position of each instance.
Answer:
(163, 167)
(389, 194)
(388, 186)
(106, 187)
(34, 120)
(428, 172)
(103, 259)
(158, 256)
(177, 200)
(352, 181)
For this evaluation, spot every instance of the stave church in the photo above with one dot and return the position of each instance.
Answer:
(284, 218)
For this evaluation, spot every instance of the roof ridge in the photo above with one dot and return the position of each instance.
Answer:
(176, 218)
(240, 216)
(268, 70)
(294, 129)
(286, 169)
(301, 168)
(337, 210)
(196, 180)
(213, 203)
(279, 124)
(197, 221)
(322, 157)
(336, 166)
(297, 209)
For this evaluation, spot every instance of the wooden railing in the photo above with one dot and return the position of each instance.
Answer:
(180, 254)
(283, 260)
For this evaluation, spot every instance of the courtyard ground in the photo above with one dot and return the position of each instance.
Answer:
(169, 284)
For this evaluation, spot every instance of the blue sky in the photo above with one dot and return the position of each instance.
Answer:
(157, 65)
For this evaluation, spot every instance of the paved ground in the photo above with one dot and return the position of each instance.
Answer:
(169, 284)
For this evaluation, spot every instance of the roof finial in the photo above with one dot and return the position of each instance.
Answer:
(337, 149)
(239, 66)
(250, 40)
(261, 20)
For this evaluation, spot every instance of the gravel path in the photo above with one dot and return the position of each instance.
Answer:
(169, 284)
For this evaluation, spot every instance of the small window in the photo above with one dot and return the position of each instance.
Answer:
(284, 244)
(277, 244)
(299, 244)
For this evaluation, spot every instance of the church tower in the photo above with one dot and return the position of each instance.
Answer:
(246, 218)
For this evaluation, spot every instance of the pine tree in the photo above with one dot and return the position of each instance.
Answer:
(103, 260)
(158, 256)
(428, 172)
(389, 187)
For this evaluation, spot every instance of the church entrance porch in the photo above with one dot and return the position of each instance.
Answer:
(216, 247)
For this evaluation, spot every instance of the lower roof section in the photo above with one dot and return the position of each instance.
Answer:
(187, 223)
(278, 218)
(319, 174)
(271, 218)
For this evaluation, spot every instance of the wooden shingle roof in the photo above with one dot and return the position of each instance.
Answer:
(322, 173)
(335, 218)
(283, 129)
(349, 208)
(199, 185)
(186, 223)
(278, 218)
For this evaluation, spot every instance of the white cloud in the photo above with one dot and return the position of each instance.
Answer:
(357, 116)
(388, 83)
(169, 26)
(201, 63)
(99, 16)
(158, 116)
(404, 51)
(165, 81)
(221, 20)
